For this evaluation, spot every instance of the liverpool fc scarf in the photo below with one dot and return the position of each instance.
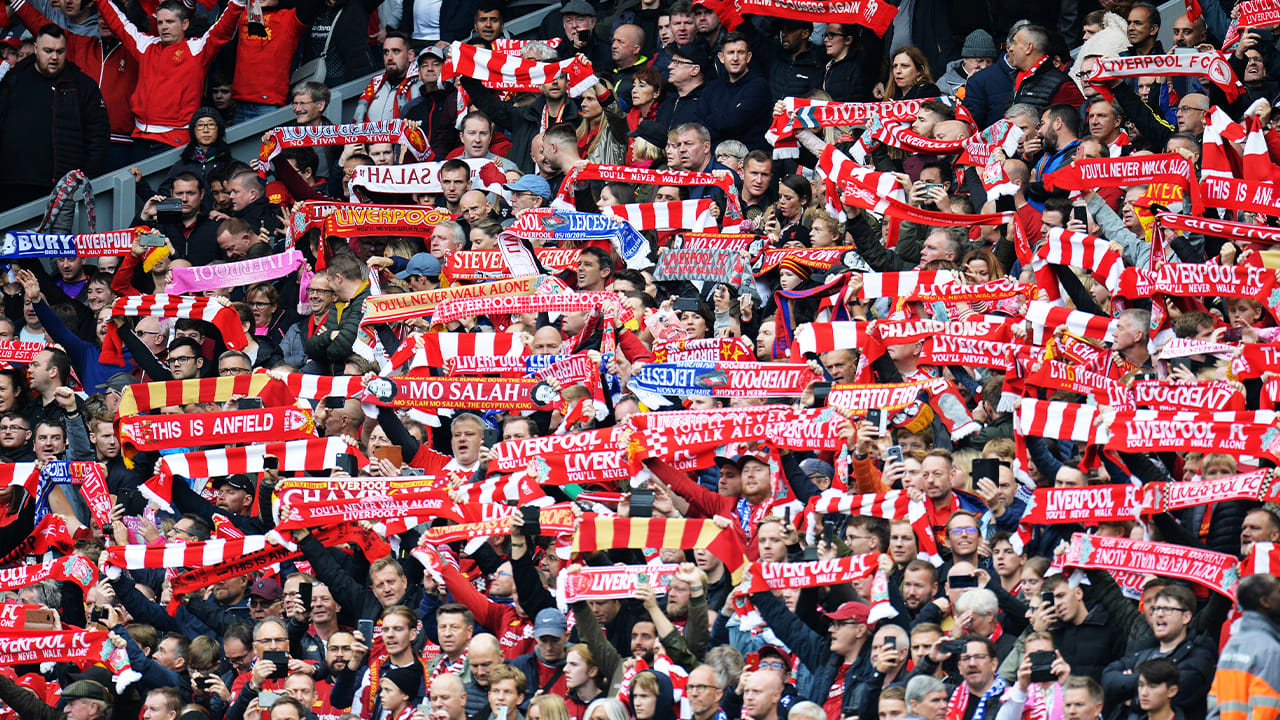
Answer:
(402, 306)
(368, 220)
(1214, 570)
(703, 264)
(17, 351)
(767, 576)
(74, 568)
(1124, 171)
(1212, 65)
(422, 505)
(29, 647)
(387, 131)
(490, 68)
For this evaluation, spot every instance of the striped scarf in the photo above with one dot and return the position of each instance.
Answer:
(224, 317)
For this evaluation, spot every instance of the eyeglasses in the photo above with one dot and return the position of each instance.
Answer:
(834, 34)
(233, 371)
(260, 305)
(962, 531)
(1191, 108)
(1166, 609)
(681, 61)
(319, 291)
(701, 688)
(175, 359)
(772, 665)
(263, 602)
(144, 333)
(14, 428)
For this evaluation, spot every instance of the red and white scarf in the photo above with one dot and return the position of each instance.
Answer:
(73, 568)
(223, 316)
(1087, 174)
(397, 132)
(643, 176)
(1066, 247)
(403, 91)
(681, 214)
(495, 69)
(1212, 65)
(1047, 317)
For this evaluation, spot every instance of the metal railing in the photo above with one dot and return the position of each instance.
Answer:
(115, 193)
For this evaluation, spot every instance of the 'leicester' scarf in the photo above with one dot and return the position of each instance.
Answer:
(224, 317)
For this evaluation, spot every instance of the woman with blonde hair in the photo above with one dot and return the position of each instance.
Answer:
(547, 707)
(602, 134)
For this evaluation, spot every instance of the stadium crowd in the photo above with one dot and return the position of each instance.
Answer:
(825, 360)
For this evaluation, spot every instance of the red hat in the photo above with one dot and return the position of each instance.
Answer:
(852, 610)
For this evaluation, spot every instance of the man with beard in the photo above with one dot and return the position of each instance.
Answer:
(340, 656)
(389, 92)
(1059, 136)
(919, 586)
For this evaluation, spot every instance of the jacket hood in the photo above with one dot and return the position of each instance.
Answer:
(666, 697)
(1111, 40)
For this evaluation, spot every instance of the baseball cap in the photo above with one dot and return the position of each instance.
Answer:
(421, 264)
(651, 132)
(239, 481)
(696, 54)
(814, 466)
(768, 652)
(852, 610)
(118, 382)
(550, 621)
(432, 51)
(86, 690)
(578, 7)
(266, 588)
(535, 184)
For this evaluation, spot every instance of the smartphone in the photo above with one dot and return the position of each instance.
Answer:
(390, 452)
(281, 660)
(267, 699)
(39, 619)
(533, 520)
(641, 503)
(953, 647)
(685, 304)
(1184, 362)
(890, 642)
(962, 581)
(893, 454)
(786, 515)
(828, 534)
(152, 239)
(642, 577)
(1081, 213)
(304, 593)
(928, 188)
(876, 417)
(1041, 662)
(1184, 51)
(810, 554)
(1046, 597)
(366, 630)
(206, 683)
(98, 614)
(347, 463)
(270, 462)
(249, 403)
(335, 403)
(988, 468)
(1233, 334)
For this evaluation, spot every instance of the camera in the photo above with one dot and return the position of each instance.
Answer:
(169, 210)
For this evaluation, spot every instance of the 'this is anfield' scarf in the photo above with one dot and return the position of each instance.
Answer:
(399, 132)
(224, 317)
(156, 432)
(602, 533)
(20, 244)
(494, 68)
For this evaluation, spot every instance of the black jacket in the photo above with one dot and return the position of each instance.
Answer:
(743, 109)
(348, 57)
(1091, 645)
(796, 76)
(1039, 89)
(436, 111)
(51, 126)
(842, 79)
(1196, 657)
(675, 110)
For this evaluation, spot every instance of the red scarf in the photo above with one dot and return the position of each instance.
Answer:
(1017, 85)
(403, 89)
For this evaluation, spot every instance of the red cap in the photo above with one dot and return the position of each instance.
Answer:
(852, 610)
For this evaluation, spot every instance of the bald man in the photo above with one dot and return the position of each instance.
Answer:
(1188, 34)
(1191, 112)
(484, 653)
(448, 698)
(546, 341)
(475, 206)
(951, 130)
(626, 49)
(761, 692)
